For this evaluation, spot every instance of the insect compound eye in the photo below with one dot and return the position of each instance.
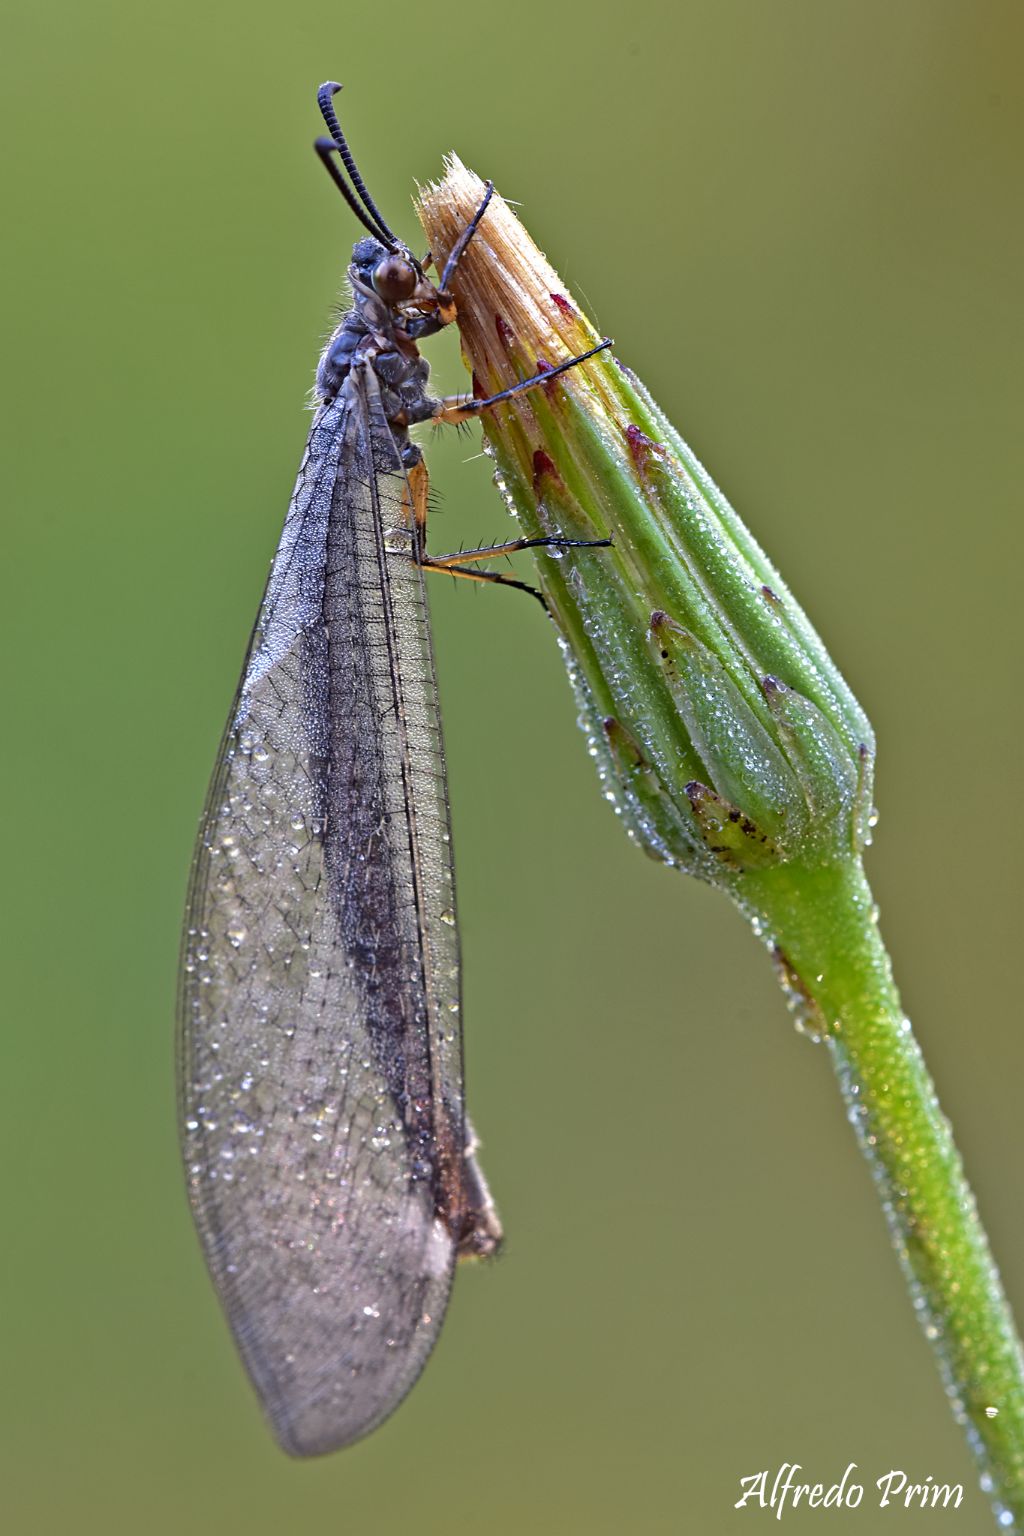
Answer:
(394, 279)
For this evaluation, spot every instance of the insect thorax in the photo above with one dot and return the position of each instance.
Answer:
(373, 332)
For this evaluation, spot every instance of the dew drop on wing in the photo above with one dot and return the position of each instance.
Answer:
(299, 961)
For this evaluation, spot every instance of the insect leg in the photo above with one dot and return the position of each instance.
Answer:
(415, 498)
(474, 573)
(482, 1234)
(429, 325)
(513, 547)
(510, 547)
(458, 249)
(456, 408)
(462, 563)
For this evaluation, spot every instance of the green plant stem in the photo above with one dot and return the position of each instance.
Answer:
(824, 922)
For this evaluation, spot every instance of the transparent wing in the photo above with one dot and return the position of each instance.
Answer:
(320, 1052)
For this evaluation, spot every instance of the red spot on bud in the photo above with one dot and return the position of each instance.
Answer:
(543, 465)
(479, 393)
(504, 330)
(563, 304)
(641, 448)
(543, 367)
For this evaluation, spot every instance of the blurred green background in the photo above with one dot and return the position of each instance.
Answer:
(698, 1283)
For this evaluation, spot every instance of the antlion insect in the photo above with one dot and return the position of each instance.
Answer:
(330, 1164)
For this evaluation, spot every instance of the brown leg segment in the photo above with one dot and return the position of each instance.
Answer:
(457, 564)
(443, 564)
(414, 502)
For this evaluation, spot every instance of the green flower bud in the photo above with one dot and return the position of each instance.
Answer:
(732, 748)
(724, 734)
